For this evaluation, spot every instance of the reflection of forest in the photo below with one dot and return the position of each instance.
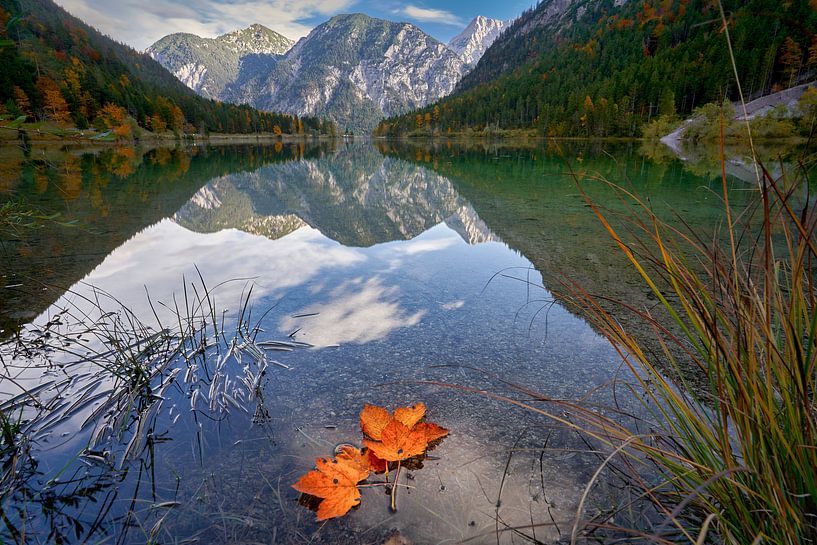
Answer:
(529, 199)
(111, 194)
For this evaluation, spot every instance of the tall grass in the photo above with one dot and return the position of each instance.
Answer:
(739, 455)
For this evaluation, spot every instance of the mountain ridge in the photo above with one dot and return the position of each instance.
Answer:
(353, 68)
(209, 65)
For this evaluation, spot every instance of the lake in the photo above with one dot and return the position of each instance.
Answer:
(384, 273)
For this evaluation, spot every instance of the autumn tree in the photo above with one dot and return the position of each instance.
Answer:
(812, 53)
(791, 57)
(22, 101)
(157, 124)
(115, 118)
(54, 103)
(177, 120)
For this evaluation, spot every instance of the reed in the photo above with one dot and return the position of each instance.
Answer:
(738, 456)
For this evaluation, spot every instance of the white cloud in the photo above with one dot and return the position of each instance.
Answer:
(429, 15)
(140, 23)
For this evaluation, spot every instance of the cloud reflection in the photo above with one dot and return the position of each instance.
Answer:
(358, 312)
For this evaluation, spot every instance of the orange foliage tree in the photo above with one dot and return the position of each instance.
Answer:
(54, 103)
(115, 118)
(791, 57)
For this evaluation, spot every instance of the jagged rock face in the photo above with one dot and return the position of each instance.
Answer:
(209, 65)
(477, 37)
(354, 69)
(355, 197)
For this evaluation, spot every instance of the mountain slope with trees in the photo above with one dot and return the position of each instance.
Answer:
(607, 67)
(57, 68)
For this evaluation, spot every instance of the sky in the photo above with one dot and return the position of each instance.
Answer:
(139, 23)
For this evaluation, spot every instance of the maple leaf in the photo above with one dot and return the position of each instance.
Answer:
(336, 483)
(398, 442)
(373, 419)
(363, 459)
(409, 416)
(431, 431)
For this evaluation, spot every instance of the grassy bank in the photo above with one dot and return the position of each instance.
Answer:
(736, 459)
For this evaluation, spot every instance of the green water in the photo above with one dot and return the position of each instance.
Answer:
(409, 271)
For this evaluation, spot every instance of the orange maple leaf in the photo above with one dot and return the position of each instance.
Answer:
(398, 442)
(373, 419)
(409, 416)
(410, 438)
(363, 459)
(336, 483)
(431, 431)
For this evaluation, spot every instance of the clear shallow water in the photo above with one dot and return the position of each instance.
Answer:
(397, 266)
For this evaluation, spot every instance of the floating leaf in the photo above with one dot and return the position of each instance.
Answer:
(409, 416)
(335, 482)
(389, 438)
(431, 431)
(373, 419)
(362, 459)
(398, 442)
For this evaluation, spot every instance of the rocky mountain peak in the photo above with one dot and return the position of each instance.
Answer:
(257, 39)
(477, 37)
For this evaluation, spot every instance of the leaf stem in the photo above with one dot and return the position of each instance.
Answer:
(394, 489)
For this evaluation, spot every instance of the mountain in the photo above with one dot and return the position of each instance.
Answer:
(477, 37)
(598, 68)
(58, 68)
(354, 69)
(209, 65)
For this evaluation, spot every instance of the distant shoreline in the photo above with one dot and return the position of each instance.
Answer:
(11, 136)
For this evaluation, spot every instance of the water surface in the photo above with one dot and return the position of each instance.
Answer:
(397, 270)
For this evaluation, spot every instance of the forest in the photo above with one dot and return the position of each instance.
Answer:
(60, 70)
(606, 71)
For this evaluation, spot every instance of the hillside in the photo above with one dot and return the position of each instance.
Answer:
(209, 65)
(57, 68)
(606, 67)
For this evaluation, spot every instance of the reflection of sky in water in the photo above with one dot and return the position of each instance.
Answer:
(384, 320)
(398, 310)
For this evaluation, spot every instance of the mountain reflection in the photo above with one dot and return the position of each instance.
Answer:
(355, 196)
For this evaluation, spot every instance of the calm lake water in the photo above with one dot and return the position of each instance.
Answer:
(396, 273)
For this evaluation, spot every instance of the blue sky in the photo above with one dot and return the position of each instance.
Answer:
(139, 23)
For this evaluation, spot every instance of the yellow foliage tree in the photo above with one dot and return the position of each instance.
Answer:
(54, 103)
(115, 118)
(177, 118)
(22, 100)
